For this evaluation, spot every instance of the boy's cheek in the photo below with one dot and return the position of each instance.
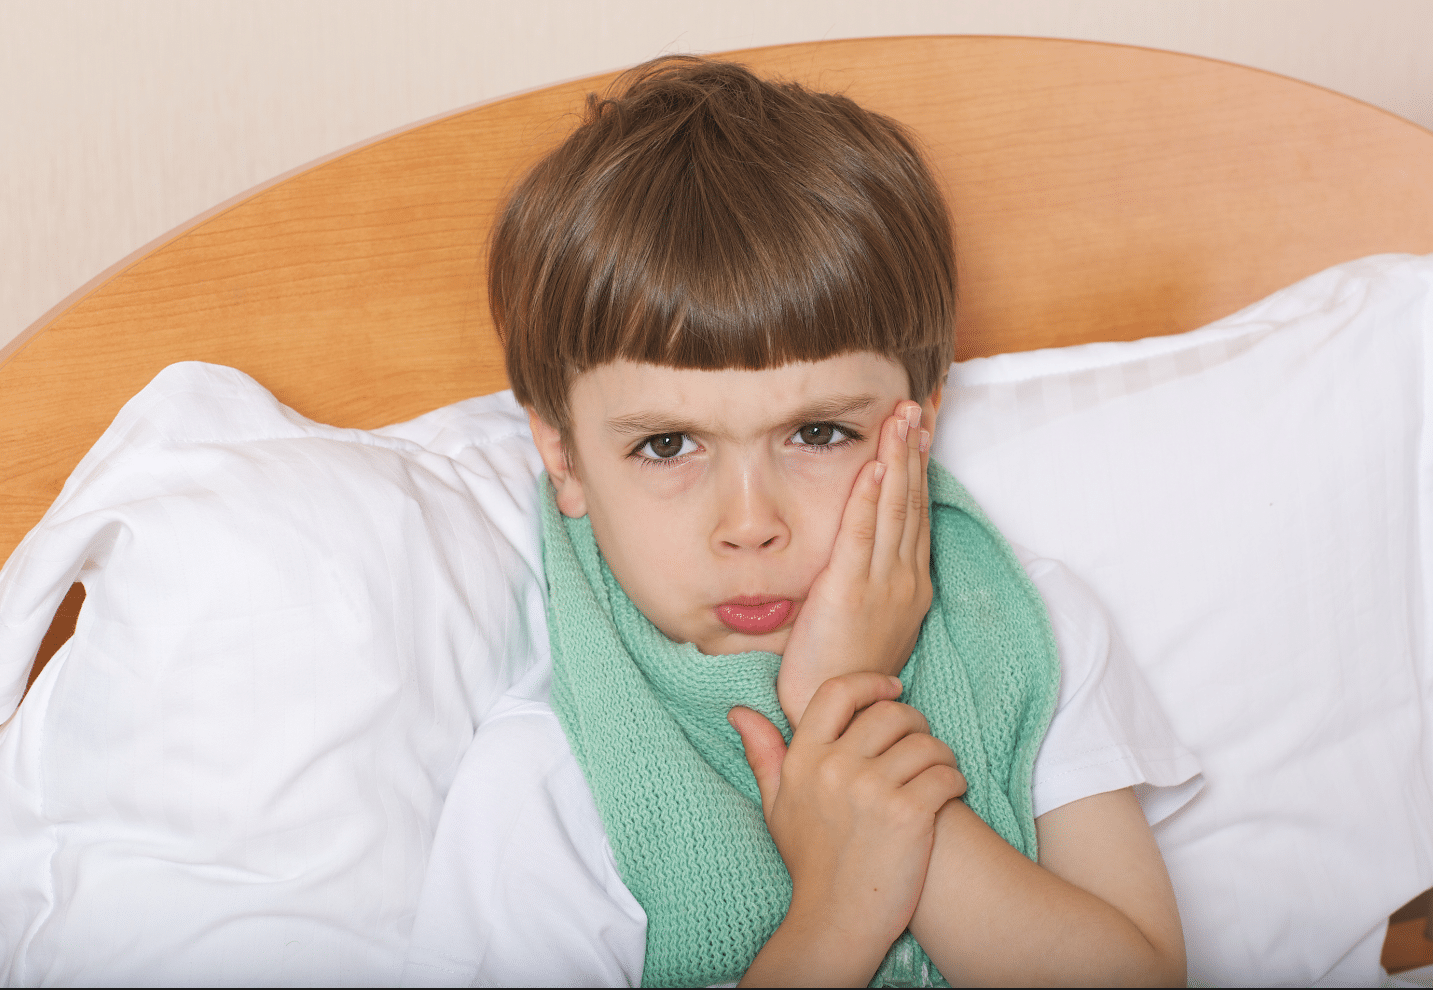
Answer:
(829, 478)
(657, 538)
(820, 496)
(660, 484)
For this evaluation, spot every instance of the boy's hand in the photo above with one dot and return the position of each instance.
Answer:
(864, 611)
(852, 808)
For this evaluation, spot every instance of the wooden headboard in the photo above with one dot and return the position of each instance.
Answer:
(1100, 193)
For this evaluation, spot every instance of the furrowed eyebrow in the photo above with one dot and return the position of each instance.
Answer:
(646, 424)
(650, 424)
(835, 407)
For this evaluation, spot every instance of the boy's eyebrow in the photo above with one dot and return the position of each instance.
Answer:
(644, 424)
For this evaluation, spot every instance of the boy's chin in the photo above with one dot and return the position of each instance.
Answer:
(725, 643)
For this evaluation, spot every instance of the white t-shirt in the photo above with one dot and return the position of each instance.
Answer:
(522, 888)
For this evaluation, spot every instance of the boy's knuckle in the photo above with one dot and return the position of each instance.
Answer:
(869, 790)
(882, 709)
(925, 595)
(908, 811)
(935, 770)
(950, 781)
(927, 748)
(913, 719)
(841, 689)
(919, 595)
(831, 690)
(886, 710)
(934, 748)
(832, 775)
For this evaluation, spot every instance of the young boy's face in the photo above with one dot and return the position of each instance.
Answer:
(716, 496)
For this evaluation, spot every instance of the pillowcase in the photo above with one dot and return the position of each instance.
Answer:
(1248, 500)
(232, 773)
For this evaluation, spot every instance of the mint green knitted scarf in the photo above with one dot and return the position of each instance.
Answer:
(646, 719)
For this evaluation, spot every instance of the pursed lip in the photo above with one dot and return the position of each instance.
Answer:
(749, 600)
(755, 615)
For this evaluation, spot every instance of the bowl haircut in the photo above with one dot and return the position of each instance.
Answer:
(702, 217)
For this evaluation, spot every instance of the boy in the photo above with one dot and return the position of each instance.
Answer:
(728, 306)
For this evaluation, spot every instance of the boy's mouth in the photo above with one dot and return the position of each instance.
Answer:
(754, 616)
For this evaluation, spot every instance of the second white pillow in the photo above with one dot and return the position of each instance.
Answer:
(1248, 501)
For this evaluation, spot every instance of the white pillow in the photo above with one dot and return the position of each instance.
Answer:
(233, 771)
(1248, 501)
(251, 790)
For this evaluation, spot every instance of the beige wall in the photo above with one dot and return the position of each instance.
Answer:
(122, 119)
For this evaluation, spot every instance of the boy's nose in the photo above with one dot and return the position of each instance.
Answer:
(749, 517)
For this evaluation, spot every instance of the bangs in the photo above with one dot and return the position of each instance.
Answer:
(721, 222)
(734, 271)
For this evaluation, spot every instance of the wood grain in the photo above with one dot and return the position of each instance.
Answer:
(1100, 192)
(67, 616)
(1406, 946)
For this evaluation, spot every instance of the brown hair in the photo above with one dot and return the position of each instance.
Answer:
(702, 217)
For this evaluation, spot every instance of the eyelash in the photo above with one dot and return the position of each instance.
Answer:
(849, 437)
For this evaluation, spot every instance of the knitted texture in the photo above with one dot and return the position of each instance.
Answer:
(646, 719)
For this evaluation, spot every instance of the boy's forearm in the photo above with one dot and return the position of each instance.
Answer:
(989, 916)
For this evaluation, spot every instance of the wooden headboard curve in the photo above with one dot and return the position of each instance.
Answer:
(1100, 192)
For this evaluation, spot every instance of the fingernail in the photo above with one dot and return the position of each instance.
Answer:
(879, 473)
(925, 441)
(903, 428)
(913, 415)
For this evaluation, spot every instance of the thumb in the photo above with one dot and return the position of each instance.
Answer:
(765, 751)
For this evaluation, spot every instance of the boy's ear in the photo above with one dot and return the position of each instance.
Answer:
(931, 406)
(571, 500)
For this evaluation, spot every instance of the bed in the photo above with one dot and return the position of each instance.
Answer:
(1120, 214)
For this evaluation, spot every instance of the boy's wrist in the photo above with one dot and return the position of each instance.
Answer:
(812, 948)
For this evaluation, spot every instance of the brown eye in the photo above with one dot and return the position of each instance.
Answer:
(664, 446)
(816, 434)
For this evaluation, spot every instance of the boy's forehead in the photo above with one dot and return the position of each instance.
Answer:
(627, 397)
